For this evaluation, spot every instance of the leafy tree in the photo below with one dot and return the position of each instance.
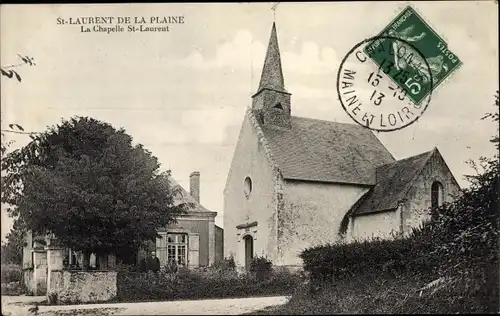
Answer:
(12, 249)
(85, 183)
(10, 72)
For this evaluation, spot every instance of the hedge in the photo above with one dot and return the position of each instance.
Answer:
(202, 284)
(458, 243)
(412, 254)
(11, 273)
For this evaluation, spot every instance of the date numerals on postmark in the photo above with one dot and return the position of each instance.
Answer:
(377, 96)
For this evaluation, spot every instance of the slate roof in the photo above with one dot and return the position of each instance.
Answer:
(393, 182)
(272, 72)
(317, 150)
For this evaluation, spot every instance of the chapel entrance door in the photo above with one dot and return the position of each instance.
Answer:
(248, 251)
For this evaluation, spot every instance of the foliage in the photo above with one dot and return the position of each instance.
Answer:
(344, 260)
(227, 264)
(85, 183)
(457, 249)
(12, 289)
(261, 267)
(10, 72)
(11, 273)
(53, 298)
(200, 284)
(12, 250)
(376, 293)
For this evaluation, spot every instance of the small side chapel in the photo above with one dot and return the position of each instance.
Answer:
(295, 182)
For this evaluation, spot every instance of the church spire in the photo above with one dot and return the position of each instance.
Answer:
(272, 73)
(272, 103)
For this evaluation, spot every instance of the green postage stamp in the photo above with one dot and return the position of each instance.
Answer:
(419, 62)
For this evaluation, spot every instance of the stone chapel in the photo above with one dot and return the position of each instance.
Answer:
(296, 182)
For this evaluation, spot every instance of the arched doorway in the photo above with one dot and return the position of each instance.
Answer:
(248, 251)
(436, 194)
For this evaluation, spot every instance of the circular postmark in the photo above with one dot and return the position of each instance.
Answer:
(384, 83)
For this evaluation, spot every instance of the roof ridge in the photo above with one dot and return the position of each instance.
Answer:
(234, 157)
(321, 120)
(394, 182)
(405, 159)
(191, 199)
(448, 167)
(418, 171)
(262, 139)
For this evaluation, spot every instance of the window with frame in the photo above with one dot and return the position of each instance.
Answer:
(437, 194)
(177, 248)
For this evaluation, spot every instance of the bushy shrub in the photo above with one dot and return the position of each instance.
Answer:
(340, 260)
(261, 267)
(227, 264)
(459, 242)
(459, 236)
(200, 284)
(12, 288)
(11, 273)
(53, 298)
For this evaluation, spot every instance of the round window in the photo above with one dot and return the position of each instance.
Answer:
(247, 187)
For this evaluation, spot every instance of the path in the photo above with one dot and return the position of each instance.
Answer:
(19, 305)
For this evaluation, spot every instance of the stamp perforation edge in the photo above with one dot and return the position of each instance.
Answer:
(437, 84)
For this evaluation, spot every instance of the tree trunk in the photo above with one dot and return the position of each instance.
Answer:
(85, 260)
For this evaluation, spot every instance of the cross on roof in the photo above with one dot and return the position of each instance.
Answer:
(274, 7)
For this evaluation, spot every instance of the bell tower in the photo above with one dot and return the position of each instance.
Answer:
(271, 102)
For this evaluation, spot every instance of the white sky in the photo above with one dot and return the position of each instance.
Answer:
(183, 93)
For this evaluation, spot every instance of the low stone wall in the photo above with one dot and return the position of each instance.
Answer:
(36, 283)
(29, 281)
(81, 286)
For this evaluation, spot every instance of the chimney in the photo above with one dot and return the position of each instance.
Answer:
(194, 185)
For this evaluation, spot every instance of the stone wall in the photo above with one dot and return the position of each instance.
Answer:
(414, 207)
(382, 224)
(311, 216)
(40, 267)
(418, 198)
(82, 286)
(29, 280)
(251, 159)
(219, 244)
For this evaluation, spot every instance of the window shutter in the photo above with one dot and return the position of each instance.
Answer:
(161, 242)
(161, 253)
(194, 250)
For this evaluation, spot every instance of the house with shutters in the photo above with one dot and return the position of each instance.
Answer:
(297, 182)
(193, 241)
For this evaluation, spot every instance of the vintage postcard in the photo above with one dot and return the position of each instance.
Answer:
(249, 158)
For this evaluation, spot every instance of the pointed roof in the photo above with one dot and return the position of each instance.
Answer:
(183, 197)
(272, 72)
(393, 182)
